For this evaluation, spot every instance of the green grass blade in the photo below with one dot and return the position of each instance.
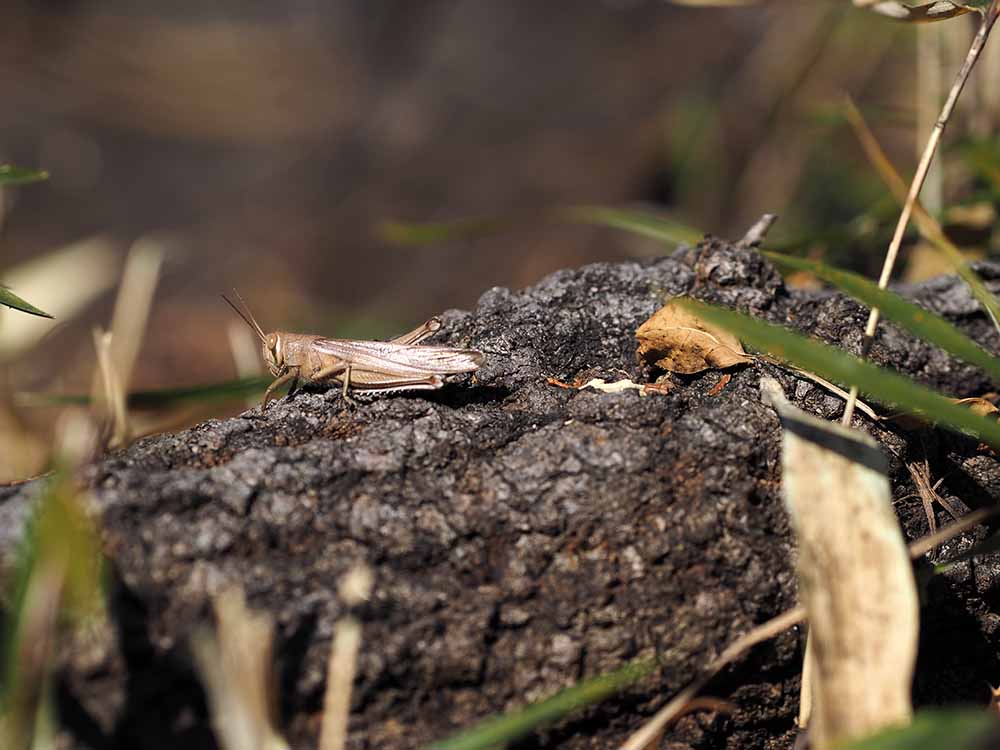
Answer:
(9, 299)
(11, 175)
(642, 223)
(934, 730)
(918, 321)
(229, 389)
(161, 399)
(500, 731)
(985, 297)
(57, 579)
(846, 369)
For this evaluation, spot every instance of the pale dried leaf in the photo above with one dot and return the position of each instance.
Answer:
(618, 386)
(855, 576)
(678, 341)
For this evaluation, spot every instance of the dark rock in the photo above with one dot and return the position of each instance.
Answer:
(523, 535)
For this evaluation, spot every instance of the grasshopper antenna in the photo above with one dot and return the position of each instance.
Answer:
(248, 317)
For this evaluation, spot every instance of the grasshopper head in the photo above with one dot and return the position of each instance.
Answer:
(274, 355)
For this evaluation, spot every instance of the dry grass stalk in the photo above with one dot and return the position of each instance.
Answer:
(354, 589)
(235, 665)
(118, 349)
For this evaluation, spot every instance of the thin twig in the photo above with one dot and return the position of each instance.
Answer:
(989, 18)
(925, 544)
(836, 390)
(758, 232)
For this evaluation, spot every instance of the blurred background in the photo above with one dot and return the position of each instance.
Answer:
(267, 145)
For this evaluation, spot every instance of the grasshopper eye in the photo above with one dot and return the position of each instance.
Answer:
(272, 342)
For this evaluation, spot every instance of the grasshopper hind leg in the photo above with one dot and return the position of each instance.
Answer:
(430, 383)
(423, 331)
(342, 370)
(347, 384)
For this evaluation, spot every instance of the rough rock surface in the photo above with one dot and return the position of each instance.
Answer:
(523, 535)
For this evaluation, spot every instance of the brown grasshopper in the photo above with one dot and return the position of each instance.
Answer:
(373, 366)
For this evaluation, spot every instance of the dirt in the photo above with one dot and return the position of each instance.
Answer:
(523, 535)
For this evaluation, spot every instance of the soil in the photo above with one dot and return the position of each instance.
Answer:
(523, 534)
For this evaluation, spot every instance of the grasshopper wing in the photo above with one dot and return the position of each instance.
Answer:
(402, 359)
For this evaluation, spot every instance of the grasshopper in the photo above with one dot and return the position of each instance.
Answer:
(372, 366)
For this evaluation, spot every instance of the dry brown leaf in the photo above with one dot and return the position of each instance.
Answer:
(677, 341)
(664, 386)
(803, 280)
(578, 383)
(977, 405)
(980, 407)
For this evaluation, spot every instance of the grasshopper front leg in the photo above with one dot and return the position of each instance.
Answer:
(294, 386)
(280, 381)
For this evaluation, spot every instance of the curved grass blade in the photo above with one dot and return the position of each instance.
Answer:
(643, 223)
(160, 399)
(934, 730)
(9, 299)
(11, 175)
(500, 731)
(58, 578)
(839, 366)
(229, 389)
(915, 319)
(927, 225)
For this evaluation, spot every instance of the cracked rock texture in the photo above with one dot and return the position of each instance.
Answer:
(523, 535)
